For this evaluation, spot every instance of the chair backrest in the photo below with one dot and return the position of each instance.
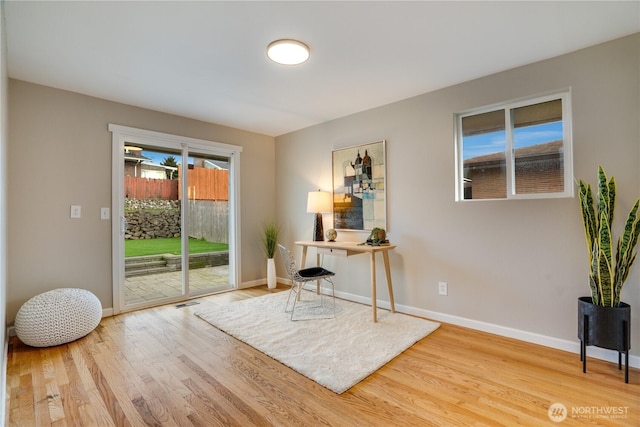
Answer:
(289, 263)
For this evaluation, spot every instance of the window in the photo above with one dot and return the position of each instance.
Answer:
(518, 150)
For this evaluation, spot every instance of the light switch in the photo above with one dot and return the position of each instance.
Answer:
(76, 211)
(104, 213)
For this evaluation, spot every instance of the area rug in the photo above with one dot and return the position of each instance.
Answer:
(337, 353)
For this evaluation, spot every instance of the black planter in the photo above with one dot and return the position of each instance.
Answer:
(605, 327)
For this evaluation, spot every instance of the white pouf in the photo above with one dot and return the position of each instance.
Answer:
(57, 317)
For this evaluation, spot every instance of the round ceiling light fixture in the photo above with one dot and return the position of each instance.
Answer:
(288, 52)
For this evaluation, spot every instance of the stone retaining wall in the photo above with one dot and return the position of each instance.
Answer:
(148, 219)
(152, 218)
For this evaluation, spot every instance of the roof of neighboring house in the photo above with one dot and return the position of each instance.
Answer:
(134, 158)
(530, 153)
(155, 166)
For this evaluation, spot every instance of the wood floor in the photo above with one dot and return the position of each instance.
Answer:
(167, 367)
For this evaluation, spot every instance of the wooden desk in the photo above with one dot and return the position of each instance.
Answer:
(352, 248)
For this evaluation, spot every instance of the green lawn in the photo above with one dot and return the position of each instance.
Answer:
(169, 245)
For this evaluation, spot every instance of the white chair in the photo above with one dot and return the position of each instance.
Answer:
(302, 277)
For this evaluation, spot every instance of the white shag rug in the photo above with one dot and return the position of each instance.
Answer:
(337, 353)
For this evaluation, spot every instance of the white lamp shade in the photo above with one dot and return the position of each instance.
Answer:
(319, 201)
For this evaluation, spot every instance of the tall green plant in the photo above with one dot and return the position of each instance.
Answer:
(270, 234)
(607, 277)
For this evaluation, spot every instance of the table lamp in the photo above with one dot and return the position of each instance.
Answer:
(318, 202)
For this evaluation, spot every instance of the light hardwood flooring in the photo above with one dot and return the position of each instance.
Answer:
(166, 367)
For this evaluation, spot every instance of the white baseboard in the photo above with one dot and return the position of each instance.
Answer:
(531, 337)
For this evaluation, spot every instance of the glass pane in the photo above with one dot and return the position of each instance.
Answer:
(208, 224)
(483, 153)
(152, 238)
(538, 148)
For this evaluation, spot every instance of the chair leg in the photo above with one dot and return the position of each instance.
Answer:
(321, 294)
(333, 296)
(295, 299)
(300, 287)
(286, 307)
(293, 290)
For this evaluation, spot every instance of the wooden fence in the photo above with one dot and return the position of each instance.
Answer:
(207, 184)
(204, 184)
(149, 188)
(209, 220)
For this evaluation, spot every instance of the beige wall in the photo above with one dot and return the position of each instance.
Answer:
(513, 267)
(59, 154)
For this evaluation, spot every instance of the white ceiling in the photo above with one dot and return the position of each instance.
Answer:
(207, 60)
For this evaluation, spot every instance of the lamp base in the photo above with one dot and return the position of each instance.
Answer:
(318, 232)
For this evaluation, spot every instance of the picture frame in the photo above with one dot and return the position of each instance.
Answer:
(360, 187)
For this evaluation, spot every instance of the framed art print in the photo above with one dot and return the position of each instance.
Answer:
(359, 187)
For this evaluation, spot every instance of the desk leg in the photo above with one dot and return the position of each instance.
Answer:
(303, 260)
(387, 269)
(374, 298)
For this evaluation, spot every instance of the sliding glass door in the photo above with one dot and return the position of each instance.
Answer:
(175, 218)
(208, 224)
(152, 228)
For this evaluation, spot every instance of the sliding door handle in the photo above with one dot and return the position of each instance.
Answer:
(123, 225)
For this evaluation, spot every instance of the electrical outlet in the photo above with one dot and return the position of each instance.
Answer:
(76, 211)
(443, 288)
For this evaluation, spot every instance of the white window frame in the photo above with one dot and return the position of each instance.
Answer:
(565, 97)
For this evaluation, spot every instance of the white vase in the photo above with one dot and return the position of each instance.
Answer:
(271, 274)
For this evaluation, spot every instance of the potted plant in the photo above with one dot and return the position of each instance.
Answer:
(270, 234)
(603, 320)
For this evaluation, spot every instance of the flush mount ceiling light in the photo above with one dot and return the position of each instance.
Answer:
(288, 52)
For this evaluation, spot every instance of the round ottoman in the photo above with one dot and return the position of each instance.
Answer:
(57, 317)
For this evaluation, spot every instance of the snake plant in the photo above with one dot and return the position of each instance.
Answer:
(607, 275)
